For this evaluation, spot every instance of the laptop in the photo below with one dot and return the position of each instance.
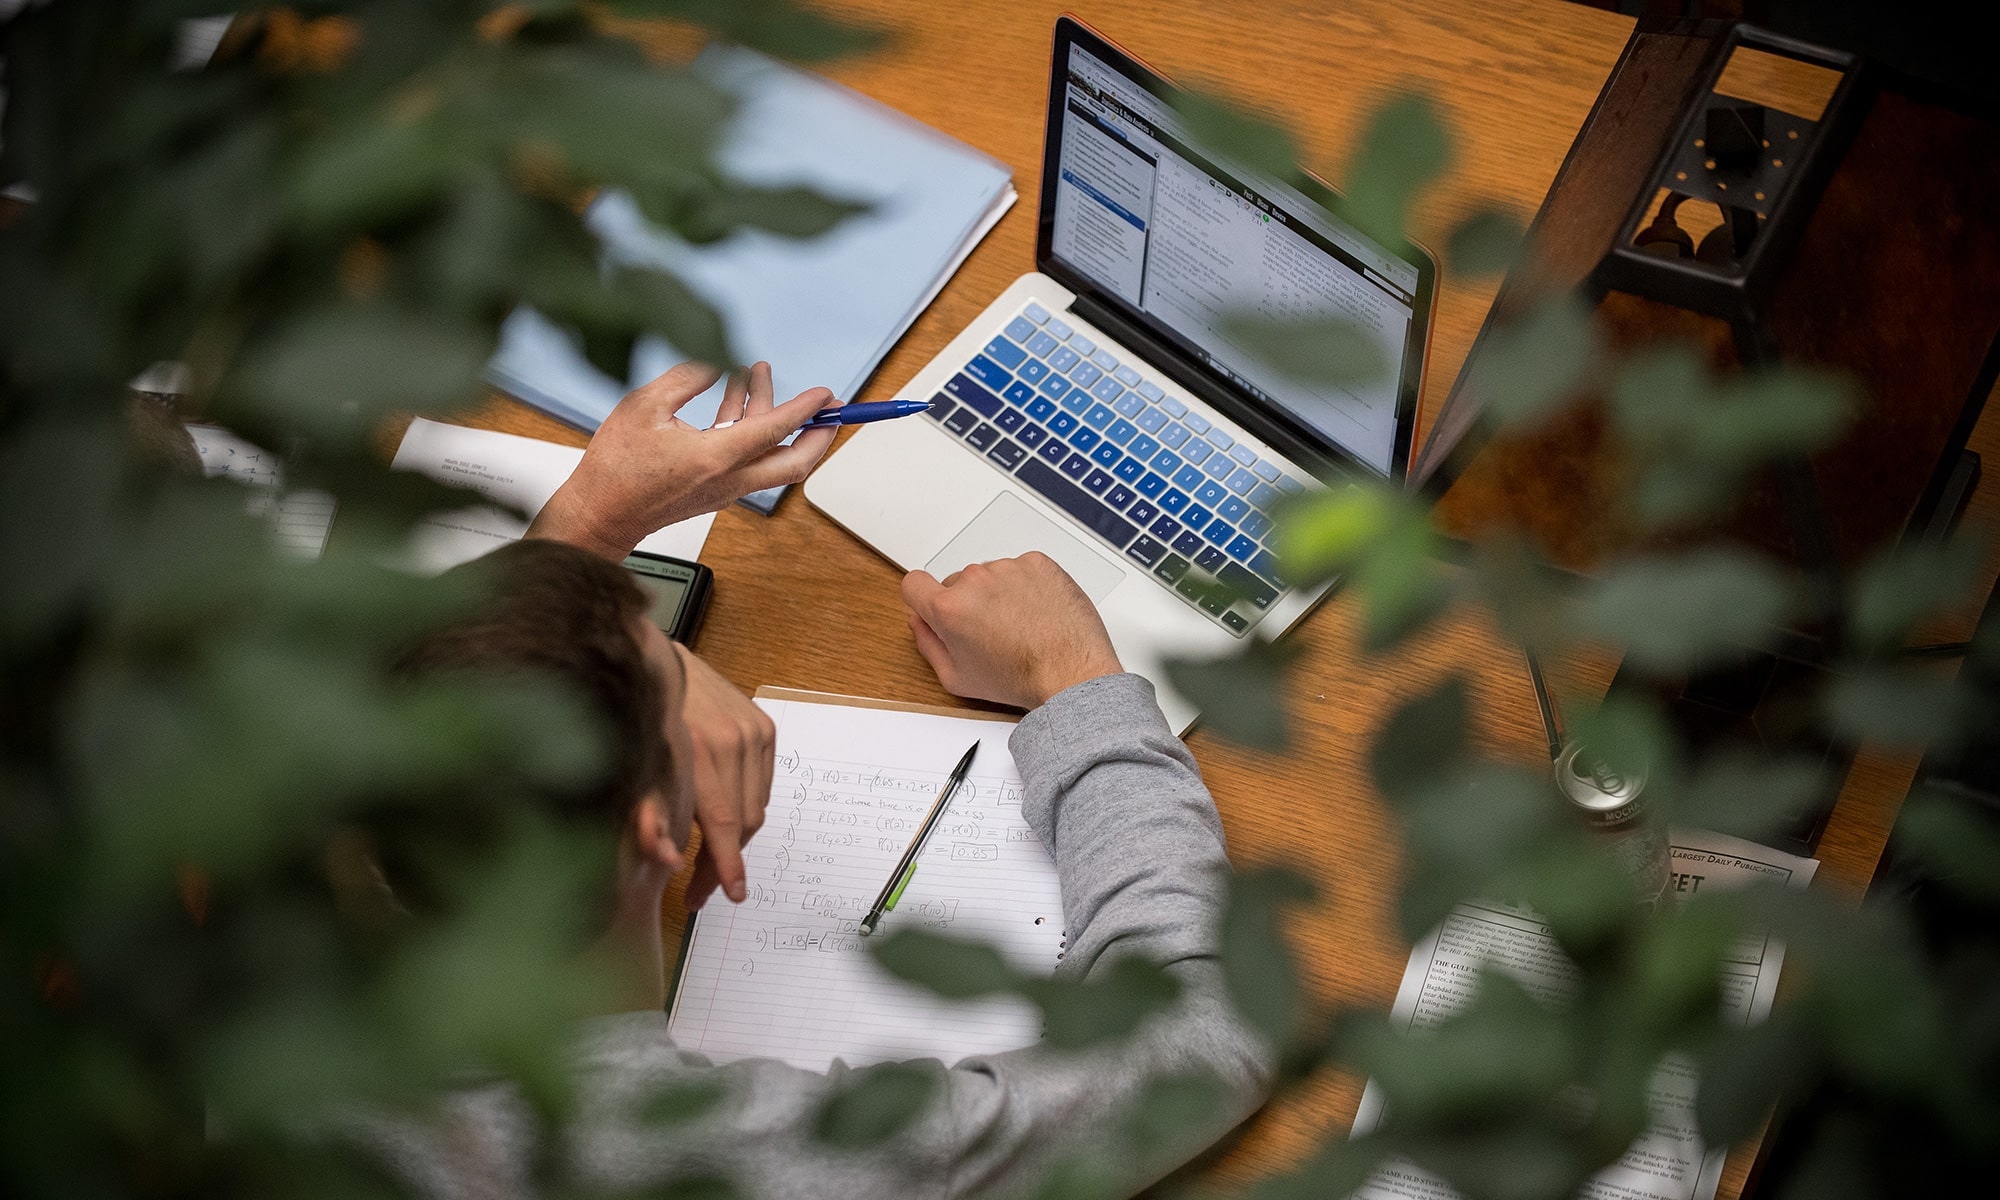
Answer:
(1096, 411)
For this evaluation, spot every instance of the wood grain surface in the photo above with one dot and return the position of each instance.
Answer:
(1515, 82)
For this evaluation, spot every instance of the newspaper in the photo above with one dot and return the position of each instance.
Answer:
(1669, 1161)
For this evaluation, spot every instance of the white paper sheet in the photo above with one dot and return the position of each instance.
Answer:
(785, 974)
(299, 520)
(1669, 1162)
(516, 471)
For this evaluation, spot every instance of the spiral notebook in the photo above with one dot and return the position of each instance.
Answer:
(786, 973)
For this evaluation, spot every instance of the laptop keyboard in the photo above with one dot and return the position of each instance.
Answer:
(1128, 461)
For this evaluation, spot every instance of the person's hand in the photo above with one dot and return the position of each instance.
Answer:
(1015, 631)
(733, 742)
(646, 468)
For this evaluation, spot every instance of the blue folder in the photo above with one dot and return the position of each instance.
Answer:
(824, 310)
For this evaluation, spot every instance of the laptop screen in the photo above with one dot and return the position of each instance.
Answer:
(1176, 241)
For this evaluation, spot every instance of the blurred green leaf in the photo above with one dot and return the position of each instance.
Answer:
(1404, 149)
(1257, 962)
(1585, 898)
(1487, 242)
(1696, 437)
(1382, 540)
(1531, 601)
(951, 967)
(338, 370)
(1904, 584)
(1175, 1112)
(1253, 140)
(865, 1108)
(570, 116)
(296, 1059)
(1956, 843)
(682, 1101)
(1874, 1010)
(1468, 835)
(1772, 414)
(1745, 794)
(1531, 366)
(1521, 1160)
(1078, 1177)
(484, 988)
(1677, 491)
(795, 212)
(1503, 1051)
(371, 170)
(659, 302)
(1241, 696)
(1690, 611)
(777, 27)
(1423, 743)
(1627, 732)
(1654, 392)
(701, 1186)
(1744, 1070)
(67, 474)
(1322, 534)
(1904, 706)
(1338, 1168)
(1666, 398)
(609, 350)
(1110, 1003)
(1328, 349)
(1837, 1165)
(1677, 974)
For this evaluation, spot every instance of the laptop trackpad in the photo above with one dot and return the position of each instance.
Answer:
(1009, 527)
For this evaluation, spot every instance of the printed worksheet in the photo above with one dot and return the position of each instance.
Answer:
(786, 974)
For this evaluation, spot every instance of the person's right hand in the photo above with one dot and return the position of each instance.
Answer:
(1015, 631)
(646, 468)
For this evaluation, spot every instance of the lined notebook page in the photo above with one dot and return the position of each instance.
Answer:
(786, 975)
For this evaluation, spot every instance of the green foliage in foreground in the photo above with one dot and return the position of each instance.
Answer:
(196, 971)
(1528, 1095)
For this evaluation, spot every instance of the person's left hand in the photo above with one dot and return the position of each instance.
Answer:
(733, 744)
(646, 468)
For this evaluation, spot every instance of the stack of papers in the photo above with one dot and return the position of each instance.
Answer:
(823, 311)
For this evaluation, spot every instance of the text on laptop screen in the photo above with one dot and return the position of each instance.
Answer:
(1155, 222)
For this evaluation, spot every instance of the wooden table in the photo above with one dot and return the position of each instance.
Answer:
(1515, 82)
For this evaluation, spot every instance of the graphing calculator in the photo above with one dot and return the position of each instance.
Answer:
(679, 591)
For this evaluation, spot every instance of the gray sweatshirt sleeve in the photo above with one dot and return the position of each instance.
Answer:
(1135, 837)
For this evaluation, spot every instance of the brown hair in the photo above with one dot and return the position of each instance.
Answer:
(552, 609)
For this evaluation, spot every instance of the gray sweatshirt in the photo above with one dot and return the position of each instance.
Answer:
(1117, 799)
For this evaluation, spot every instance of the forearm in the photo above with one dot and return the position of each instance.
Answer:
(1118, 800)
(569, 516)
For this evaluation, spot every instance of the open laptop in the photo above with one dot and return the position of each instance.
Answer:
(1096, 412)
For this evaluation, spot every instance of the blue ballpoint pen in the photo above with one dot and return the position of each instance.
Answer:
(861, 414)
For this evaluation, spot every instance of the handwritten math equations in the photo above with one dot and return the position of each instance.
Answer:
(787, 975)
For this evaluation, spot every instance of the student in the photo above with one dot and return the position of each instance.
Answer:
(645, 469)
(1109, 789)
